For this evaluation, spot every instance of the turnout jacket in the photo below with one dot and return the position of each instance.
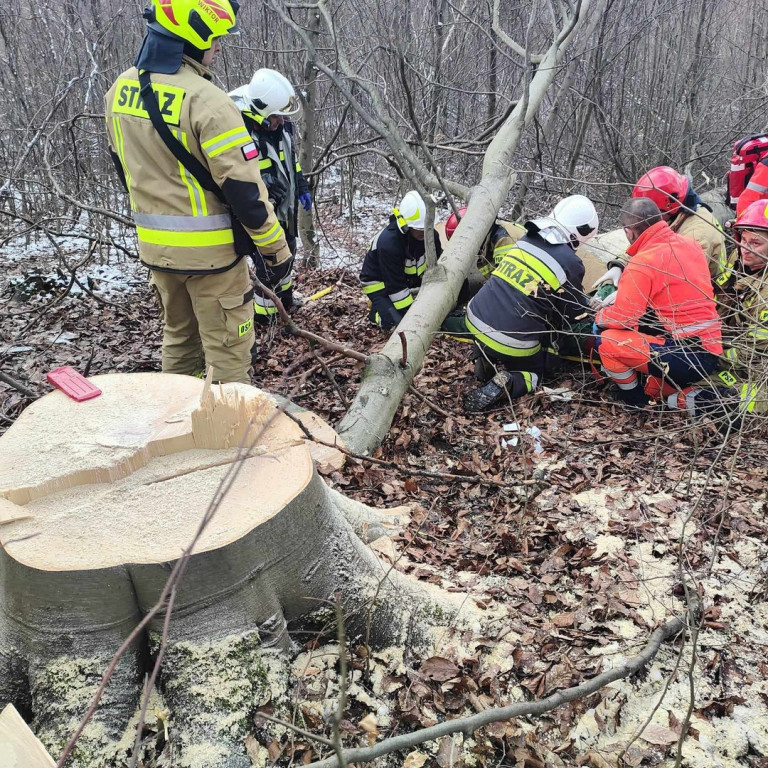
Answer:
(496, 245)
(394, 264)
(536, 288)
(667, 273)
(745, 314)
(279, 166)
(182, 227)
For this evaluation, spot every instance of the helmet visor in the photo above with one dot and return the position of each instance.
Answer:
(293, 107)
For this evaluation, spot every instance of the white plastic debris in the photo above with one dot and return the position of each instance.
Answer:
(560, 393)
(535, 433)
(512, 427)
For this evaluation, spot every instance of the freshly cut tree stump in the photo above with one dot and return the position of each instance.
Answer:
(101, 498)
(19, 747)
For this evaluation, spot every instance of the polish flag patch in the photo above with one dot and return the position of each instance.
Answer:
(250, 151)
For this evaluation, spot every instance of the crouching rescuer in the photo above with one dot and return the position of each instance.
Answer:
(535, 289)
(197, 198)
(396, 262)
(669, 274)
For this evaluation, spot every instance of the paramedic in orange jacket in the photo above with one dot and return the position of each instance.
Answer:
(669, 274)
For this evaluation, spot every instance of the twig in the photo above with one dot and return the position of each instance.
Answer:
(468, 725)
(331, 377)
(425, 399)
(342, 704)
(11, 382)
(295, 728)
(404, 342)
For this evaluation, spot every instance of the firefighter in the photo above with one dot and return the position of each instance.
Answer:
(396, 262)
(535, 289)
(667, 273)
(497, 242)
(741, 386)
(268, 102)
(686, 214)
(187, 236)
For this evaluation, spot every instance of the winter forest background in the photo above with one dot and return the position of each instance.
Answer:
(644, 84)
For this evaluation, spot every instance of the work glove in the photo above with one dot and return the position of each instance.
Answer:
(597, 303)
(306, 201)
(612, 275)
(276, 187)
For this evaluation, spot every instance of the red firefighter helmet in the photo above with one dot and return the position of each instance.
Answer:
(665, 186)
(754, 216)
(453, 222)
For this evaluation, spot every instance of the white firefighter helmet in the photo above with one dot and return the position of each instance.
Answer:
(412, 212)
(270, 93)
(577, 215)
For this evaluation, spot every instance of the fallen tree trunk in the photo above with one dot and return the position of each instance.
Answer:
(385, 381)
(100, 499)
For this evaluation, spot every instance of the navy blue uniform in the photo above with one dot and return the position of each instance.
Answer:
(394, 264)
(535, 289)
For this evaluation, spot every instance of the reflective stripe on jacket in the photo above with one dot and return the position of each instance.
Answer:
(181, 226)
(536, 288)
(757, 188)
(669, 274)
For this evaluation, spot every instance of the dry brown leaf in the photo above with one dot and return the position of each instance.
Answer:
(415, 760)
(371, 727)
(659, 735)
(449, 753)
(439, 669)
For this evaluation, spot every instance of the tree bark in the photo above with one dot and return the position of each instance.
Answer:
(384, 382)
(307, 149)
(100, 499)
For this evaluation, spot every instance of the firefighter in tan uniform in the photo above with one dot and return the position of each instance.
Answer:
(744, 306)
(187, 236)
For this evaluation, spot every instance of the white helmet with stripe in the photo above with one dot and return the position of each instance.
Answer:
(270, 93)
(577, 215)
(412, 212)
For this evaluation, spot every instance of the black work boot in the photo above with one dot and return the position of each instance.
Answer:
(503, 386)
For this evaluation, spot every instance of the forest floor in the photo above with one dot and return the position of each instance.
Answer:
(620, 506)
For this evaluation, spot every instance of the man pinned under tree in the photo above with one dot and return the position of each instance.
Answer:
(396, 262)
(535, 290)
(268, 102)
(187, 162)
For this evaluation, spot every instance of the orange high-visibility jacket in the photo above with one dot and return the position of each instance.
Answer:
(668, 273)
(757, 189)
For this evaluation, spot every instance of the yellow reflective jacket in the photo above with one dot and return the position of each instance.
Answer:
(743, 306)
(181, 226)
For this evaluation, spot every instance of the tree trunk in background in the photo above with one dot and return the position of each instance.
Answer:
(307, 150)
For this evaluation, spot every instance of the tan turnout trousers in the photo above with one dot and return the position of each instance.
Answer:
(207, 321)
